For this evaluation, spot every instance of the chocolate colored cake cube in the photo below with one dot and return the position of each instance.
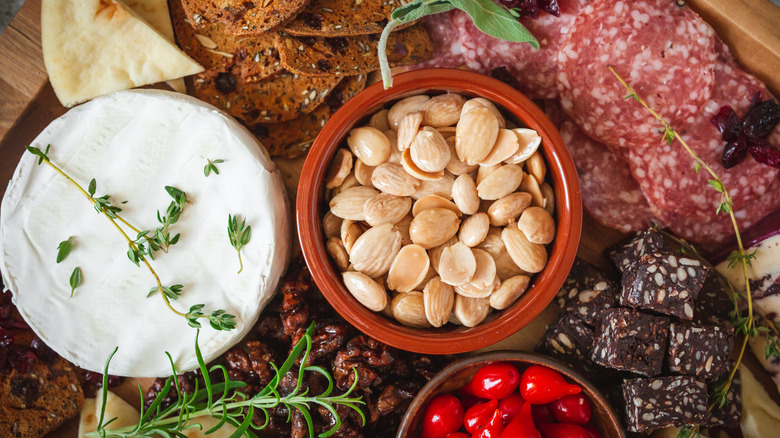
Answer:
(653, 403)
(629, 252)
(712, 304)
(582, 276)
(631, 341)
(664, 283)
(590, 304)
(730, 414)
(570, 340)
(701, 351)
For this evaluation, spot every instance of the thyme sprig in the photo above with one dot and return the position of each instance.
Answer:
(221, 401)
(740, 256)
(211, 167)
(137, 253)
(239, 235)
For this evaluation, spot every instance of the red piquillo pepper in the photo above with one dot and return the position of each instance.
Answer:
(443, 416)
(541, 385)
(493, 381)
(522, 426)
(492, 429)
(478, 415)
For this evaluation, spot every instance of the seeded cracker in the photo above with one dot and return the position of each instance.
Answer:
(331, 18)
(241, 17)
(318, 56)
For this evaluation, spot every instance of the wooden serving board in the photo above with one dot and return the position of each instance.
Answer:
(28, 104)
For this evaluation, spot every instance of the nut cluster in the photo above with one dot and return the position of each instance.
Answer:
(443, 203)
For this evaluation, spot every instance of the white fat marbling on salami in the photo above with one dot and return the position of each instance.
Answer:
(664, 51)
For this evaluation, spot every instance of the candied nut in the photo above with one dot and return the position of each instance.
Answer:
(506, 146)
(438, 298)
(331, 225)
(408, 269)
(409, 309)
(408, 129)
(464, 193)
(471, 291)
(441, 186)
(411, 168)
(537, 225)
(548, 198)
(455, 166)
(536, 167)
(507, 209)
(385, 208)
(404, 107)
(393, 179)
(529, 256)
(349, 203)
(474, 229)
(476, 134)
(529, 141)
(363, 173)
(379, 120)
(434, 201)
(339, 169)
(485, 273)
(457, 264)
(350, 231)
(471, 311)
(374, 251)
(529, 185)
(430, 151)
(482, 102)
(367, 291)
(510, 290)
(337, 252)
(433, 227)
(435, 253)
(369, 145)
(443, 110)
(503, 181)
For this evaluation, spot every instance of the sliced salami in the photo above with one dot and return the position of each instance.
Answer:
(664, 51)
(609, 192)
(683, 199)
(447, 50)
(535, 69)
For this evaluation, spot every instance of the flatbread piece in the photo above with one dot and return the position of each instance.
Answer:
(331, 18)
(242, 17)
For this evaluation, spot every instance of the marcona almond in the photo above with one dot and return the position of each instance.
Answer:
(455, 166)
(369, 144)
(482, 102)
(393, 179)
(510, 290)
(429, 150)
(409, 309)
(529, 185)
(493, 243)
(501, 182)
(339, 169)
(433, 227)
(537, 225)
(464, 193)
(349, 182)
(407, 129)
(441, 186)
(535, 166)
(471, 291)
(457, 264)
(508, 208)
(484, 171)
(438, 298)
(476, 134)
(363, 173)
(506, 267)
(434, 201)
(435, 253)
(474, 229)
(471, 311)
(395, 154)
(506, 146)
(485, 274)
(408, 269)
(331, 225)
(404, 107)
(337, 252)
(367, 291)
(411, 168)
(443, 110)
(375, 250)
(385, 208)
(528, 256)
(350, 231)
(379, 120)
(431, 273)
(403, 228)
(548, 198)
(349, 203)
(529, 141)
(447, 132)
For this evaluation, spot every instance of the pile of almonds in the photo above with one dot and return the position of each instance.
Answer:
(443, 203)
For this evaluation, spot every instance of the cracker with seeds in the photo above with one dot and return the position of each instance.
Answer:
(242, 17)
(332, 18)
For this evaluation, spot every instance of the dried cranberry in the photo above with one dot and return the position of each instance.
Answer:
(550, 6)
(764, 153)
(226, 83)
(761, 119)
(5, 311)
(528, 8)
(42, 350)
(728, 123)
(22, 359)
(324, 65)
(309, 41)
(747, 135)
(97, 379)
(313, 20)
(16, 324)
(734, 153)
(6, 337)
(338, 45)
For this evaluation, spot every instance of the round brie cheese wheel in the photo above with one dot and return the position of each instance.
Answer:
(134, 144)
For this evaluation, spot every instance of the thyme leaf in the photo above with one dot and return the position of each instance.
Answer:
(239, 235)
(211, 166)
(75, 280)
(63, 249)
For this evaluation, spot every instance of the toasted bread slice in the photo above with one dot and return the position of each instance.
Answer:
(241, 17)
(336, 18)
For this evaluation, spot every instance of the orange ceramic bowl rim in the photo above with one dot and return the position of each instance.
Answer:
(544, 285)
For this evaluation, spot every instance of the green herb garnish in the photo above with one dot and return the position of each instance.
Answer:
(220, 400)
(211, 167)
(489, 17)
(63, 249)
(75, 280)
(239, 235)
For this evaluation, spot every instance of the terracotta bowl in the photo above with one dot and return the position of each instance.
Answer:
(311, 207)
(456, 375)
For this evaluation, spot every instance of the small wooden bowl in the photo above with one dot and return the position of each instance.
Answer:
(311, 206)
(456, 375)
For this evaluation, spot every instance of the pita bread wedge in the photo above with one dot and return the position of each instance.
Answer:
(125, 414)
(155, 12)
(95, 47)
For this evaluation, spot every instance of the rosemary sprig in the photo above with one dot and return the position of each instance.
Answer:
(239, 235)
(63, 249)
(75, 280)
(223, 402)
(211, 166)
(135, 253)
(726, 206)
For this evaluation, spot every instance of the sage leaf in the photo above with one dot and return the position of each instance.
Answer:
(75, 280)
(496, 21)
(420, 8)
(63, 249)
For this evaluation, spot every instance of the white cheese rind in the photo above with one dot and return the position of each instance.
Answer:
(134, 143)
